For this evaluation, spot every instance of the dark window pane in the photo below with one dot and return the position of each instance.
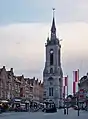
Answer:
(51, 70)
(51, 57)
(49, 91)
(52, 91)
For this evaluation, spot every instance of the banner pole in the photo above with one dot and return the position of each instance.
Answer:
(67, 94)
(78, 93)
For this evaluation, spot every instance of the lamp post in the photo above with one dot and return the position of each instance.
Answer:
(78, 93)
(67, 99)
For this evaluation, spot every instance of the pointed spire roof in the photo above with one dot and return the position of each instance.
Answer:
(53, 40)
(53, 28)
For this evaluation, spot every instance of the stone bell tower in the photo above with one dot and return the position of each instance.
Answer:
(52, 74)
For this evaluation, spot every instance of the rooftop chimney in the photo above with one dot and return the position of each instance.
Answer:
(3, 67)
(87, 74)
(11, 70)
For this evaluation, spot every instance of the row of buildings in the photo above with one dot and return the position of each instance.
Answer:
(12, 86)
(83, 90)
(81, 95)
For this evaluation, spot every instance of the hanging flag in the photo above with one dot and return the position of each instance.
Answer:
(65, 85)
(74, 87)
(64, 90)
(66, 81)
(76, 76)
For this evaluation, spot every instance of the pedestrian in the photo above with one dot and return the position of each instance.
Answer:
(64, 111)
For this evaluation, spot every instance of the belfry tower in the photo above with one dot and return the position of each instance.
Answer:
(52, 74)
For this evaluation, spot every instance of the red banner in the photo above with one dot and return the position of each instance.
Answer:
(76, 76)
(74, 87)
(66, 81)
(64, 90)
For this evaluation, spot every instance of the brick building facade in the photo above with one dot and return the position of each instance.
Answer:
(12, 86)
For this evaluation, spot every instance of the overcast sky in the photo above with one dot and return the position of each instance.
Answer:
(24, 27)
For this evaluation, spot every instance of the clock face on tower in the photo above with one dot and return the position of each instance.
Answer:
(51, 51)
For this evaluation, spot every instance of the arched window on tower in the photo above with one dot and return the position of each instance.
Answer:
(51, 70)
(50, 91)
(51, 57)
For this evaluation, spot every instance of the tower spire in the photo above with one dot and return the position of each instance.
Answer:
(53, 28)
(53, 12)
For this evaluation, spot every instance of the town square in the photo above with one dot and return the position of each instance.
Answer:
(43, 59)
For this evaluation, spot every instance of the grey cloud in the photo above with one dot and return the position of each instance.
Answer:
(28, 57)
